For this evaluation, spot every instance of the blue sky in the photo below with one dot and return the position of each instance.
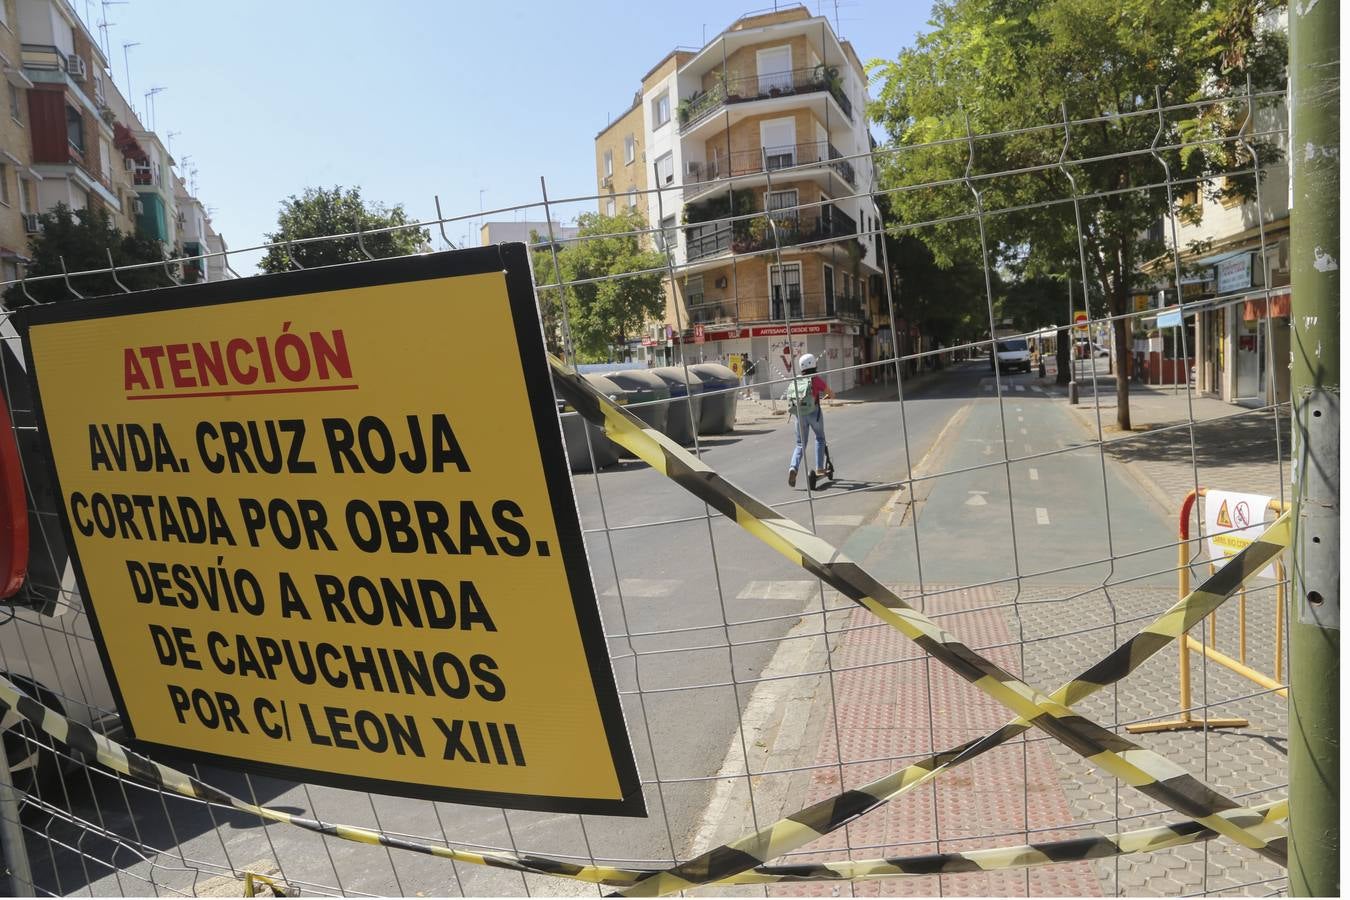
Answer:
(409, 99)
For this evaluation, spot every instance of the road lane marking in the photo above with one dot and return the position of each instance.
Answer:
(1024, 432)
(1042, 516)
(1020, 418)
(1020, 387)
(976, 499)
(645, 587)
(1038, 389)
(988, 386)
(778, 590)
(1035, 476)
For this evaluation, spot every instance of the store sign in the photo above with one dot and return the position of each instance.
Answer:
(315, 543)
(1234, 273)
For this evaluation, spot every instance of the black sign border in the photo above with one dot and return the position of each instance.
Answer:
(512, 260)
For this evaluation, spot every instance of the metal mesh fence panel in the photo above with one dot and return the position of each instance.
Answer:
(1032, 528)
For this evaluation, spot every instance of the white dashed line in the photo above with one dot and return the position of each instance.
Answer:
(1024, 432)
(1035, 476)
(646, 587)
(1042, 516)
(1020, 418)
(1020, 387)
(852, 521)
(778, 590)
(988, 387)
(1038, 389)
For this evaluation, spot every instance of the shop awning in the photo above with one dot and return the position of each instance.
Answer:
(1254, 308)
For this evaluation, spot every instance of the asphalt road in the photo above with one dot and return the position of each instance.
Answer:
(696, 608)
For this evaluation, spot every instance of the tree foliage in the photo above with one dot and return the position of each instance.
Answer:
(321, 212)
(1079, 198)
(86, 240)
(604, 315)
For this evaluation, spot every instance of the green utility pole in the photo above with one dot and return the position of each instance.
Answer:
(1314, 633)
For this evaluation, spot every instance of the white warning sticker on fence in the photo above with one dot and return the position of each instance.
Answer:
(1232, 522)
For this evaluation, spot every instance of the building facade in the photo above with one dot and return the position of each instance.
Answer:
(1235, 255)
(752, 155)
(71, 138)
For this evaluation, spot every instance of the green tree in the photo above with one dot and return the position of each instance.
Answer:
(997, 66)
(604, 314)
(320, 212)
(86, 239)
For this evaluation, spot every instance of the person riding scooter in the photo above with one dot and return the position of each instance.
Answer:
(803, 396)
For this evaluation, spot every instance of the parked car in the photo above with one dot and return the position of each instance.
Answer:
(1086, 349)
(1010, 355)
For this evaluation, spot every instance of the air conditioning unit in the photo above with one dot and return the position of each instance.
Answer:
(139, 207)
(128, 163)
(75, 67)
(607, 181)
(31, 223)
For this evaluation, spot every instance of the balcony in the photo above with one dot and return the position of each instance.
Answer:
(753, 162)
(784, 305)
(761, 87)
(42, 56)
(753, 235)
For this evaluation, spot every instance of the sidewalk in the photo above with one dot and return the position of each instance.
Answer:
(1234, 448)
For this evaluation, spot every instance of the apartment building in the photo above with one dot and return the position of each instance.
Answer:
(768, 117)
(71, 138)
(18, 179)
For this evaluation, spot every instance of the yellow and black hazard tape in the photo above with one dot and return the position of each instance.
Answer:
(825, 816)
(1260, 824)
(1143, 769)
(1261, 820)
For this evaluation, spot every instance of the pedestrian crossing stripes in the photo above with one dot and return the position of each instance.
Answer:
(778, 590)
(644, 588)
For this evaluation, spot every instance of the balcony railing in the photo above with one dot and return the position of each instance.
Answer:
(42, 56)
(752, 162)
(760, 87)
(787, 305)
(754, 234)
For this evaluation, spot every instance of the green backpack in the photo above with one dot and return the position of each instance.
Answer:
(801, 400)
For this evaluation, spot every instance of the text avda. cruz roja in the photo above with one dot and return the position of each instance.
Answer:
(417, 445)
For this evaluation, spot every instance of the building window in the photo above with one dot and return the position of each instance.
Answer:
(668, 238)
(25, 195)
(629, 150)
(609, 207)
(661, 110)
(79, 198)
(632, 198)
(105, 159)
(609, 163)
(785, 285)
(693, 297)
(786, 201)
(665, 169)
(4, 183)
(75, 128)
(15, 104)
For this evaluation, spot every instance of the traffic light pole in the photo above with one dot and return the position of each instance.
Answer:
(1314, 633)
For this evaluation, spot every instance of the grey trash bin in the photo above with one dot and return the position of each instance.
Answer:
(575, 430)
(648, 396)
(684, 391)
(719, 409)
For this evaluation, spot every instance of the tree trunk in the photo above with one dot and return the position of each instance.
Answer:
(1123, 329)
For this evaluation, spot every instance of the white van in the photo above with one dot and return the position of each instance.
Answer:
(1010, 354)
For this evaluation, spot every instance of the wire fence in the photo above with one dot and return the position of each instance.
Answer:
(791, 737)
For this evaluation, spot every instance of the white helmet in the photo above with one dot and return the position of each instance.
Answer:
(807, 361)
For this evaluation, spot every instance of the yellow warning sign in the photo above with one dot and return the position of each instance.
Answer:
(1222, 519)
(324, 529)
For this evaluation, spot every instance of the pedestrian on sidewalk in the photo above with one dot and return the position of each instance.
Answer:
(803, 398)
(748, 376)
